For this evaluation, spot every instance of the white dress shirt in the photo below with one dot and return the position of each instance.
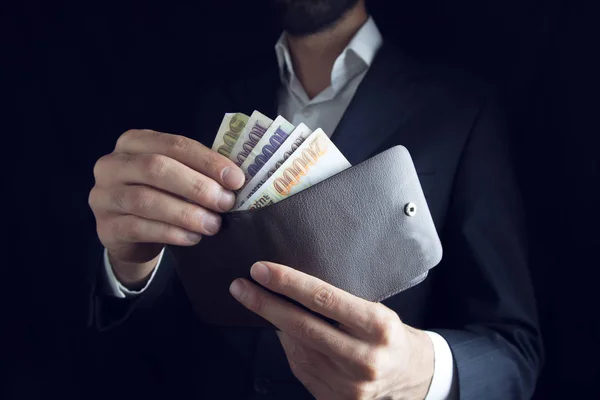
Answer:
(325, 111)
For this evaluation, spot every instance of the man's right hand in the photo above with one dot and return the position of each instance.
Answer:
(156, 189)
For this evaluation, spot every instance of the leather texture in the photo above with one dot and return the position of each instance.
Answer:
(350, 230)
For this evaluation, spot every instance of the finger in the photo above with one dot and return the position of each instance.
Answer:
(134, 229)
(152, 204)
(298, 323)
(164, 173)
(364, 319)
(187, 151)
(308, 366)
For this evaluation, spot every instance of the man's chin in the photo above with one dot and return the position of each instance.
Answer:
(305, 17)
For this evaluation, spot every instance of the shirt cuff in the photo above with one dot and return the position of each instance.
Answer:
(444, 382)
(112, 285)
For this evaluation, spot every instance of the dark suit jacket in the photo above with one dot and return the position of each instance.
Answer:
(479, 298)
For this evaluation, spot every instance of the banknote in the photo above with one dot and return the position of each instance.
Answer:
(255, 129)
(314, 161)
(229, 132)
(298, 135)
(275, 135)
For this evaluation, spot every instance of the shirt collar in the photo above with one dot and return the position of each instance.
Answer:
(364, 44)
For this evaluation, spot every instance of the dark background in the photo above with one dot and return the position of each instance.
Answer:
(75, 75)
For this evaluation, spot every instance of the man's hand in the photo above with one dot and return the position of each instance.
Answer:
(156, 189)
(371, 354)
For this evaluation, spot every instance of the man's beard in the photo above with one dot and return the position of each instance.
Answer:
(304, 17)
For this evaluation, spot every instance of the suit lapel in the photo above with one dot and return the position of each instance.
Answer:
(382, 104)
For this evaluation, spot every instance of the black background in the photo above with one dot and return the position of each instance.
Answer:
(75, 75)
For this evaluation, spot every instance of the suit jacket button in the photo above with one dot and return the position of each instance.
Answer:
(262, 385)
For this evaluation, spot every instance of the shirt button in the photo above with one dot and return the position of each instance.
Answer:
(307, 113)
(262, 385)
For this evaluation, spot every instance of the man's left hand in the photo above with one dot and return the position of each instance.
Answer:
(370, 354)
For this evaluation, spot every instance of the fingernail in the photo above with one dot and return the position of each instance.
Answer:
(233, 178)
(193, 237)
(212, 224)
(226, 201)
(237, 288)
(260, 272)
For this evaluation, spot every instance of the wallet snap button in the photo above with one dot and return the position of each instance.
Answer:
(410, 209)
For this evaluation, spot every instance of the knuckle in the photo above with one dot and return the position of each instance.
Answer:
(282, 280)
(384, 324)
(302, 328)
(200, 189)
(99, 166)
(156, 166)
(126, 137)
(93, 198)
(368, 370)
(95, 201)
(256, 303)
(324, 297)
(212, 161)
(177, 144)
(172, 235)
(138, 200)
(107, 165)
(359, 391)
(372, 364)
(187, 217)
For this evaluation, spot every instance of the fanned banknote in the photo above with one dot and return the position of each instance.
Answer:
(298, 135)
(255, 129)
(229, 132)
(314, 161)
(273, 138)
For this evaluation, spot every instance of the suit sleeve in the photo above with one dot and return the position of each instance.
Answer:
(110, 311)
(484, 298)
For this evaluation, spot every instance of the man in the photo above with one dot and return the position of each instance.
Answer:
(469, 330)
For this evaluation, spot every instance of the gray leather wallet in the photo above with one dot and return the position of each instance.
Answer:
(366, 230)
